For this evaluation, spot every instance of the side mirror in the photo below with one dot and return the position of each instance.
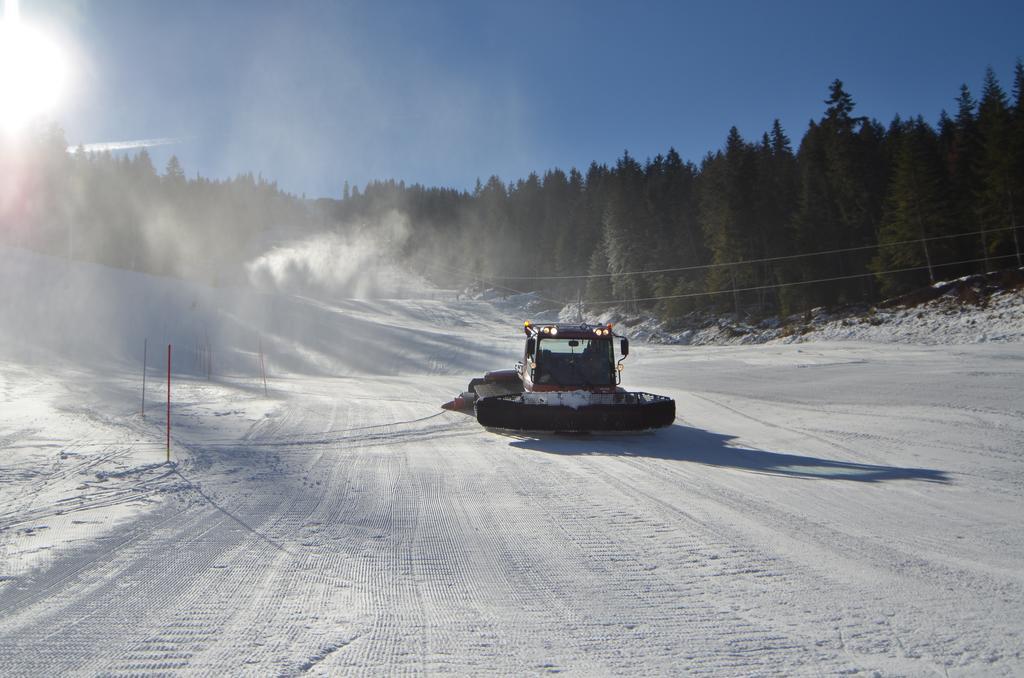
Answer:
(624, 347)
(531, 345)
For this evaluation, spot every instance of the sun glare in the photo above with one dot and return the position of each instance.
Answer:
(32, 71)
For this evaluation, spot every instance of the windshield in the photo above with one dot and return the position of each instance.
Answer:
(575, 362)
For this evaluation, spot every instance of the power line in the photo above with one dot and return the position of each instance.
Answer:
(750, 261)
(470, 276)
(800, 282)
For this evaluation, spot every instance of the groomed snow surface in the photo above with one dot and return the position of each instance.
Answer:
(818, 508)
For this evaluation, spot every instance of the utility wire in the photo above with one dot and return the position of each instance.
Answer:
(470, 276)
(750, 261)
(800, 282)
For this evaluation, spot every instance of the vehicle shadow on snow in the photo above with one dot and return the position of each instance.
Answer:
(688, 444)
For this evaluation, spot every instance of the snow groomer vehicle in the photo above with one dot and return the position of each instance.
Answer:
(568, 380)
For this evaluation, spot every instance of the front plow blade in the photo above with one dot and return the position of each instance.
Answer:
(605, 412)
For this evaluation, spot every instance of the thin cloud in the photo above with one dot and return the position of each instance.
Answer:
(124, 145)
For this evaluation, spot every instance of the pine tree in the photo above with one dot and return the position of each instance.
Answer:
(679, 239)
(568, 245)
(1018, 88)
(732, 226)
(843, 172)
(916, 210)
(625, 221)
(962, 155)
(492, 236)
(775, 205)
(999, 199)
(596, 185)
(599, 285)
(173, 172)
(554, 202)
(1017, 155)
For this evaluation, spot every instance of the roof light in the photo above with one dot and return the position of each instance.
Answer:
(554, 331)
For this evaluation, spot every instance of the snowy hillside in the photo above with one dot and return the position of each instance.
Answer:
(95, 316)
(818, 508)
(966, 311)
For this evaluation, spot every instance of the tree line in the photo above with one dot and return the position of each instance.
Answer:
(927, 202)
(889, 208)
(117, 210)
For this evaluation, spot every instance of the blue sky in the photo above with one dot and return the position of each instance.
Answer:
(315, 93)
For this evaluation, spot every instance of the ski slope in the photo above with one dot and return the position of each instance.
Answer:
(817, 509)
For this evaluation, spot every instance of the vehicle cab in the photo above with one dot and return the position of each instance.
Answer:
(563, 357)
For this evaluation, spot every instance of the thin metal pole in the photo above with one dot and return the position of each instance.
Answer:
(145, 346)
(735, 294)
(1013, 219)
(168, 403)
(263, 368)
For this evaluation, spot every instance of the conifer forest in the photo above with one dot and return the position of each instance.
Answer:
(853, 211)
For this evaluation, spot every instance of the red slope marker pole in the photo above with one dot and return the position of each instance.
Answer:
(168, 403)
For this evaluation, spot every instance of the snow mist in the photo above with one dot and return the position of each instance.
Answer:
(360, 262)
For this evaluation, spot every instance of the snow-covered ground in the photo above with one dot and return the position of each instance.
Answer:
(818, 508)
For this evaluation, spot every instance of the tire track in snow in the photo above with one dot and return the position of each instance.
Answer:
(428, 545)
(632, 579)
(902, 575)
(158, 576)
